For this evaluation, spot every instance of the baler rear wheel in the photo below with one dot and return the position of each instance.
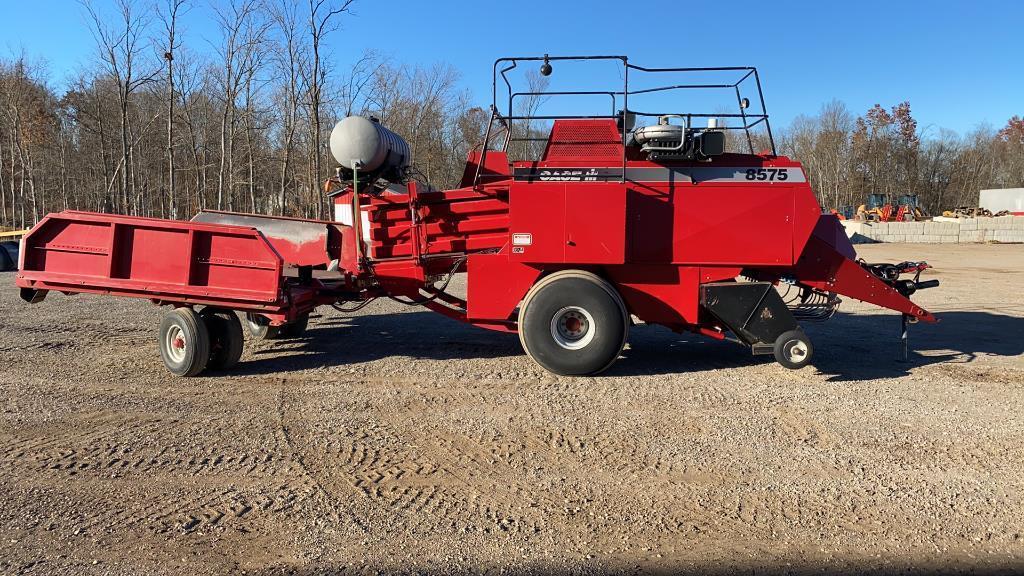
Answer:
(226, 338)
(793, 349)
(573, 323)
(259, 327)
(184, 342)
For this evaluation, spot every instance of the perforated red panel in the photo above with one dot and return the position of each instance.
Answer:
(584, 139)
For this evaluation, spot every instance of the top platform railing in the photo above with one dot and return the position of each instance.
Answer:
(507, 115)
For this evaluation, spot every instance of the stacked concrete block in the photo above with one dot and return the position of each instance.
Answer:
(971, 235)
(1007, 236)
(940, 231)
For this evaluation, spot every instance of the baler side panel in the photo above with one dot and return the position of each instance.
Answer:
(649, 223)
(658, 293)
(495, 285)
(733, 224)
(537, 218)
(806, 217)
(595, 223)
(569, 223)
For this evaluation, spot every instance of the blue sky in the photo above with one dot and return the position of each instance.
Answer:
(960, 64)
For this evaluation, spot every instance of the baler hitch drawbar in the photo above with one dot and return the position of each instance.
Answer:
(633, 210)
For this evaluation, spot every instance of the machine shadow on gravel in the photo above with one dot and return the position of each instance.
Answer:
(854, 347)
(337, 341)
(866, 347)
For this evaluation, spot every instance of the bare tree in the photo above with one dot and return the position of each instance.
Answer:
(290, 61)
(242, 33)
(208, 127)
(121, 54)
(169, 16)
(322, 21)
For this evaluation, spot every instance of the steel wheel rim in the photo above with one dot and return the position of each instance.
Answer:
(795, 351)
(176, 344)
(572, 328)
(253, 321)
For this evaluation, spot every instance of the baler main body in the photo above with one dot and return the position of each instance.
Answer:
(706, 241)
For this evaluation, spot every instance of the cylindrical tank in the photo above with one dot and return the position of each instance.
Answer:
(374, 147)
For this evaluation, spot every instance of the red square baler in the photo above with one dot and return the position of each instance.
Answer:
(622, 217)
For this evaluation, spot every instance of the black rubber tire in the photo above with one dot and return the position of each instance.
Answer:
(12, 249)
(6, 263)
(195, 342)
(259, 327)
(296, 328)
(785, 353)
(591, 294)
(226, 338)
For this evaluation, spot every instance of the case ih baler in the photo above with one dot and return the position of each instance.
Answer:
(612, 222)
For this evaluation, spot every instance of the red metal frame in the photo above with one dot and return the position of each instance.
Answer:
(657, 234)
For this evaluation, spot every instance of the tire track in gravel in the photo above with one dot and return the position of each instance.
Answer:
(424, 480)
(436, 478)
(148, 446)
(337, 507)
(167, 454)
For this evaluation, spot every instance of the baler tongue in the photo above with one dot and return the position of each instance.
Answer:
(299, 242)
(828, 263)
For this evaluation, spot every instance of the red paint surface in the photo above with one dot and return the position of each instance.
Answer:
(656, 241)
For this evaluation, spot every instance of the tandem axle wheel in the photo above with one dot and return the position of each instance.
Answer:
(191, 342)
(213, 338)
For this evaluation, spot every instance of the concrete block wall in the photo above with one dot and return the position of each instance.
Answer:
(1005, 229)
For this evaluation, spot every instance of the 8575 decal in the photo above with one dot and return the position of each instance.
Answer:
(767, 174)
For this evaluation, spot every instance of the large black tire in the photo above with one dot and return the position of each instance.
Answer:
(184, 342)
(259, 327)
(793, 349)
(296, 328)
(226, 338)
(573, 323)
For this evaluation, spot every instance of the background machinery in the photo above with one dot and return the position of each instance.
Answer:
(620, 218)
(879, 209)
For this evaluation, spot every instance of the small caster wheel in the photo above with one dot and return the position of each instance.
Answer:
(184, 342)
(226, 339)
(793, 349)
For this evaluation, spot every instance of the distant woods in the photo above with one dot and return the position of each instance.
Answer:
(884, 151)
(164, 123)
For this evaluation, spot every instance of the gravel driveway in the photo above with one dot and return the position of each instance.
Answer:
(396, 439)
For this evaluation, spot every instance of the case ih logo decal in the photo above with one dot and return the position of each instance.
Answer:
(568, 174)
(696, 174)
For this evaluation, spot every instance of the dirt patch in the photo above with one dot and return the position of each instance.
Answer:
(395, 439)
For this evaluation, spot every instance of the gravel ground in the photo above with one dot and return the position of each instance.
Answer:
(398, 440)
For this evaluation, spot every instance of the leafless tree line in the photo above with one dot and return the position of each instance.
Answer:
(884, 152)
(161, 126)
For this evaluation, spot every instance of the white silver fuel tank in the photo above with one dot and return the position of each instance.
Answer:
(375, 148)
